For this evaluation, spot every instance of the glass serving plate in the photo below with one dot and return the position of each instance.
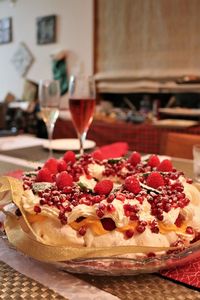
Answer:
(116, 266)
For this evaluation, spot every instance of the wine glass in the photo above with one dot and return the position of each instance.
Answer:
(49, 99)
(82, 96)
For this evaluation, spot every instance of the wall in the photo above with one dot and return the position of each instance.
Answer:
(74, 34)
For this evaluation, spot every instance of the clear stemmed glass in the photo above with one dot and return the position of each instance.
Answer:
(49, 99)
(82, 96)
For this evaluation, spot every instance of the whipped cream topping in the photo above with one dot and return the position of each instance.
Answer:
(88, 183)
(171, 216)
(29, 200)
(96, 170)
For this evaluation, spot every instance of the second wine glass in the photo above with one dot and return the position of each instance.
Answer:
(49, 99)
(82, 97)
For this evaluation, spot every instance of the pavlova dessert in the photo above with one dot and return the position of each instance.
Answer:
(89, 202)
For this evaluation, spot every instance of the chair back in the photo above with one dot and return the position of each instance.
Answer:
(178, 144)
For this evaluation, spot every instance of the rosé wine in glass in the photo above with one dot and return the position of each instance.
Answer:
(82, 111)
(82, 105)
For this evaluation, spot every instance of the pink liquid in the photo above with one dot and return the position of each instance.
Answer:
(82, 111)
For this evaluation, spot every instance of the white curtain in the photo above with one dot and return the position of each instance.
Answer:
(147, 40)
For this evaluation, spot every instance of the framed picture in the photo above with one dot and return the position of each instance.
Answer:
(5, 30)
(46, 30)
(22, 59)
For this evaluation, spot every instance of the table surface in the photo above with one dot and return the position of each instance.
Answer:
(143, 286)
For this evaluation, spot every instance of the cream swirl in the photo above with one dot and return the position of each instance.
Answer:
(96, 170)
(29, 200)
(170, 217)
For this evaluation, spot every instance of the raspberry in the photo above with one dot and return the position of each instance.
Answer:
(52, 165)
(69, 156)
(44, 175)
(153, 161)
(132, 184)
(165, 166)
(97, 155)
(135, 158)
(64, 179)
(155, 180)
(62, 165)
(103, 187)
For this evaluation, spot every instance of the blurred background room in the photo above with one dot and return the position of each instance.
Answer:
(144, 56)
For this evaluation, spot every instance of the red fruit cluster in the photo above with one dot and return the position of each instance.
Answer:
(53, 166)
(64, 179)
(153, 161)
(165, 166)
(155, 180)
(135, 158)
(132, 184)
(103, 187)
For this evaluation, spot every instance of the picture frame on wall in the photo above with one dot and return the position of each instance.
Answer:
(6, 30)
(22, 59)
(46, 30)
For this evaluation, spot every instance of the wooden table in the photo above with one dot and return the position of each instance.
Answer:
(140, 287)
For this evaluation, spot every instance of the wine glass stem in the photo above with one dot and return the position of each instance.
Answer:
(82, 138)
(50, 135)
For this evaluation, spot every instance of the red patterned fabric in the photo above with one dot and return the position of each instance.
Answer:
(113, 150)
(17, 174)
(188, 274)
(144, 138)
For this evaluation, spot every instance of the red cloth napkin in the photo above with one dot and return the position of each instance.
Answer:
(17, 174)
(111, 151)
(188, 274)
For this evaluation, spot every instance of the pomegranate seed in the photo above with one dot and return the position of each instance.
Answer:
(37, 209)
(133, 217)
(179, 221)
(102, 206)
(167, 207)
(67, 189)
(43, 201)
(129, 233)
(140, 199)
(82, 230)
(110, 198)
(99, 213)
(110, 208)
(121, 197)
(151, 254)
(63, 220)
(160, 217)
(189, 180)
(189, 230)
(68, 209)
(140, 228)
(143, 223)
(155, 229)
